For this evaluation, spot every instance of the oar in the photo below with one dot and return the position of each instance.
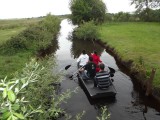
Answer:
(75, 72)
(68, 66)
(112, 70)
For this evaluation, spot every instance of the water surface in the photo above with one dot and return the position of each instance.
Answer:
(128, 104)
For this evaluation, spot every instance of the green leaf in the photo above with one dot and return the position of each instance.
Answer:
(39, 111)
(31, 107)
(10, 118)
(15, 107)
(11, 96)
(23, 109)
(5, 115)
(4, 93)
(16, 90)
(5, 109)
(14, 117)
(23, 81)
(20, 116)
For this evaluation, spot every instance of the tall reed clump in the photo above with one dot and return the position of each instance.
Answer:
(31, 94)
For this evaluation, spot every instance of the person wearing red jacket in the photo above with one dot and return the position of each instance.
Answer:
(96, 60)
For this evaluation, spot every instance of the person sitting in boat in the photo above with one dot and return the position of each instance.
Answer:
(89, 70)
(96, 60)
(102, 78)
(82, 59)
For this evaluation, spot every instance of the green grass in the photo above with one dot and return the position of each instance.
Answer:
(11, 64)
(9, 28)
(6, 34)
(135, 40)
(12, 23)
(19, 49)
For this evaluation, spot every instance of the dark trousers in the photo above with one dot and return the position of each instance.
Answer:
(95, 82)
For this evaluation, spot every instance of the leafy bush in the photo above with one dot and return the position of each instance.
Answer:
(13, 103)
(88, 30)
(51, 24)
(31, 95)
(16, 43)
(33, 38)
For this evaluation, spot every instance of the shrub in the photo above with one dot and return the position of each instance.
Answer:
(31, 94)
(88, 30)
(34, 38)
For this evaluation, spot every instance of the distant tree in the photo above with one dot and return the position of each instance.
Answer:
(140, 4)
(122, 17)
(144, 8)
(151, 16)
(87, 10)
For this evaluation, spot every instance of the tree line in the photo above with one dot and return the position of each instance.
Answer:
(96, 10)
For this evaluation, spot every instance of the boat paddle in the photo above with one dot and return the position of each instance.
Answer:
(75, 72)
(68, 66)
(112, 71)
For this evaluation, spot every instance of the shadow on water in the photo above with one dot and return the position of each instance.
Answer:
(79, 45)
(128, 104)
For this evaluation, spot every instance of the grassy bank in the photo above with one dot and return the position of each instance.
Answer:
(30, 36)
(135, 41)
(10, 28)
(6, 34)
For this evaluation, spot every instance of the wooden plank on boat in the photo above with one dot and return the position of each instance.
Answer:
(95, 92)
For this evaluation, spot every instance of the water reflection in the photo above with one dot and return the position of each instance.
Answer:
(79, 45)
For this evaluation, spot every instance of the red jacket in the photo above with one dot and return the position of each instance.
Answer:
(96, 60)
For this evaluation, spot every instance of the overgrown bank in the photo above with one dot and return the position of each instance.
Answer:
(31, 93)
(28, 43)
(136, 46)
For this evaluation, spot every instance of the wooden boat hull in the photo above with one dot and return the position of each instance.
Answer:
(95, 92)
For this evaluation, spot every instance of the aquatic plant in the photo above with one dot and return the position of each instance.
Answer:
(105, 115)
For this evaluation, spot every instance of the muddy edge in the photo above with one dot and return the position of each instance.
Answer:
(139, 79)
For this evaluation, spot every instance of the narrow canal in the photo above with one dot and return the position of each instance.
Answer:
(128, 104)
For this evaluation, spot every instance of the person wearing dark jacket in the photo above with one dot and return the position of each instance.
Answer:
(89, 69)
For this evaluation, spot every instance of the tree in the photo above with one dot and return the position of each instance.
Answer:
(87, 10)
(140, 4)
(144, 8)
